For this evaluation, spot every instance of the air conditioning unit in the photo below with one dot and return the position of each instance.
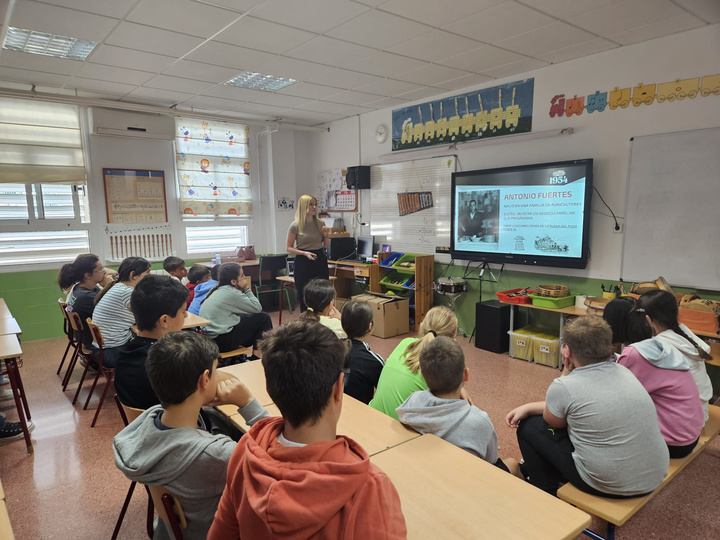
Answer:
(131, 124)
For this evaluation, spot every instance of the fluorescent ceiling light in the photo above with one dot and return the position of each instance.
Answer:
(260, 81)
(30, 41)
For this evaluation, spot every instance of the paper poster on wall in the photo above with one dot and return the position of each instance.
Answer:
(333, 194)
(285, 203)
(135, 196)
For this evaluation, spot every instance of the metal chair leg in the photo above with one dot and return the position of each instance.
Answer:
(63, 358)
(82, 380)
(108, 384)
(92, 390)
(124, 509)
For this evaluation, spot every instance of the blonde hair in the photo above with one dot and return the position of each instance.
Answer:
(301, 214)
(439, 321)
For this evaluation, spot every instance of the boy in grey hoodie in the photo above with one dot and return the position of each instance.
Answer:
(442, 409)
(168, 445)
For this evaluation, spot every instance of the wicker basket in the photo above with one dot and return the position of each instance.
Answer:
(553, 291)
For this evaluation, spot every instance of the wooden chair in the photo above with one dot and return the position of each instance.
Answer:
(128, 414)
(67, 330)
(108, 373)
(76, 331)
(168, 508)
(272, 264)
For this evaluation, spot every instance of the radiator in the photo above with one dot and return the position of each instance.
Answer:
(151, 246)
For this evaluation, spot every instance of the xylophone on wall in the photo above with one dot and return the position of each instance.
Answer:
(151, 246)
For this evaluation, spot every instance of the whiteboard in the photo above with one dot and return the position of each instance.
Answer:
(673, 209)
(419, 231)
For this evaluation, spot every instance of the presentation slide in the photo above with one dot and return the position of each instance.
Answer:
(542, 216)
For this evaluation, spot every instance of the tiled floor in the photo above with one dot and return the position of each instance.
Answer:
(70, 488)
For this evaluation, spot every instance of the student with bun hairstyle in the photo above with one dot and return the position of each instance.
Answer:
(320, 302)
(82, 280)
(364, 365)
(112, 311)
(616, 315)
(306, 239)
(401, 375)
(664, 372)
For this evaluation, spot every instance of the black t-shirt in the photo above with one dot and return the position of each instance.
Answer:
(365, 367)
(82, 302)
(131, 380)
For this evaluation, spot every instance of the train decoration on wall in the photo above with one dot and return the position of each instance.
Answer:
(642, 94)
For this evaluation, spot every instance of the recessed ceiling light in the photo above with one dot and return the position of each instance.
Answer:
(260, 81)
(30, 41)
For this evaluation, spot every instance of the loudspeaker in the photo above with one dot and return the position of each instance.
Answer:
(492, 323)
(358, 177)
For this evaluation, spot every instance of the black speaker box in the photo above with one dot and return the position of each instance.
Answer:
(358, 177)
(492, 323)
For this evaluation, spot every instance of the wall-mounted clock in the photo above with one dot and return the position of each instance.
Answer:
(381, 133)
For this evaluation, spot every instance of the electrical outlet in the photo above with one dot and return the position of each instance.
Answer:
(620, 230)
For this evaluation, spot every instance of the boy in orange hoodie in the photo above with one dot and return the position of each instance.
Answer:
(294, 477)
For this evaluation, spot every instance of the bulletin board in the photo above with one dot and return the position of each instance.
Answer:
(333, 193)
(422, 184)
(135, 196)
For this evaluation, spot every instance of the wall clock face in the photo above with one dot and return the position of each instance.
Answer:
(381, 133)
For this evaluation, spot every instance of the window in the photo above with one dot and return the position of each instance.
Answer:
(57, 247)
(213, 170)
(216, 239)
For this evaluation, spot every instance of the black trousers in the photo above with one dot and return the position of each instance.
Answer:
(307, 270)
(246, 333)
(548, 457)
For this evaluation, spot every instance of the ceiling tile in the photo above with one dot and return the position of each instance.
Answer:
(145, 38)
(113, 74)
(237, 5)
(308, 90)
(231, 56)
(293, 68)
(258, 108)
(500, 22)
(201, 72)
(627, 15)
(483, 58)
(657, 29)
(562, 9)
(421, 93)
(437, 13)
(388, 102)
(100, 86)
(281, 100)
(577, 51)
(329, 51)
(334, 108)
(351, 97)
(431, 74)
(373, 3)
(379, 30)
(264, 35)
(166, 96)
(464, 82)
(234, 92)
(549, 38)
(110, 8)
(435, 46)
(31, 77)
(61, 21)
(384, 64)
(128, 58)
(707, 10)
(389, 87)
(515, 68)
(312, 15)
(176, 83)
(38, 62)
(184, 16)
(343, 78)
(211, 102)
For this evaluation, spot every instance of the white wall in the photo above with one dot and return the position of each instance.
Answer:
(603, 136)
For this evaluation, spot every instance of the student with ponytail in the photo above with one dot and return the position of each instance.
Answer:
(237, 316)
(320, 301)
(112, 311)
(82, 280)
(401, 375)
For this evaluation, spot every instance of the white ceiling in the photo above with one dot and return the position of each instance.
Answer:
(350, 56)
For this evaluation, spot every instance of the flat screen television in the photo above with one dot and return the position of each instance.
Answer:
(531, 214)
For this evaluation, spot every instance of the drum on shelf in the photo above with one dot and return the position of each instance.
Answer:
(451, 285)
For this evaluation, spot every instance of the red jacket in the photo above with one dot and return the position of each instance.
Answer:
(325, 490)
(191, 288)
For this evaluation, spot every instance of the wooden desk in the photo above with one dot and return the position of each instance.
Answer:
(252, 374)
(10, 351)
(9, 326)
(347, 272)
(6, 531)
(449, 493)
(211, 264)
(287, 282)
(192, 321)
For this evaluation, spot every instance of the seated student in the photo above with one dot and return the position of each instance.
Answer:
(202, 289)
(597, 427)
(364, 365)
(168, 445)
(82, 280)
(112, 308)
(237, 316)
(664, 372)
(294, 477)
(175, 266)
(196, 275)
(158, 303)
(402, 375)
(615, 314)
(443, 411)
(320, 301)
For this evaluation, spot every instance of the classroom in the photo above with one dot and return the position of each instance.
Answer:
(365, 79)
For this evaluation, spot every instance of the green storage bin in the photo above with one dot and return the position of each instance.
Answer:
(552, 303)
(405, 258)
(394, 280)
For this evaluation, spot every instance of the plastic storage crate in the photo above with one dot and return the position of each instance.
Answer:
(410, 283)
(405, 259)
(391, 259)
(546, 347)
(521, 342)
(505, 296)
(552, 303)
(394, 280)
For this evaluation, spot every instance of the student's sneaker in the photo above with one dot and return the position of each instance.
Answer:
(6, 393)
(13, 431)
(93, 364)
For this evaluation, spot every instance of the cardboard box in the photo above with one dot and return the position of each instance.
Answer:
(391, 315)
